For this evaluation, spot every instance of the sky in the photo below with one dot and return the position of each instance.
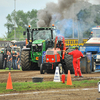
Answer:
(7, 6)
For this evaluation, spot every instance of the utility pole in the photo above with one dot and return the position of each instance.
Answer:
(14, 19)
(73, 21)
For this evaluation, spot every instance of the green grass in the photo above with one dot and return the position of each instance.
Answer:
(7, 69)
(30, 86)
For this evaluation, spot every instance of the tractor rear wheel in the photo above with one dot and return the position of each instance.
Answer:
(68, 61)
(25, 63)
(1, 61)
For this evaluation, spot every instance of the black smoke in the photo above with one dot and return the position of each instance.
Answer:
(64, 15)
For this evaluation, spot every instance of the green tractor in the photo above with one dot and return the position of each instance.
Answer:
(3, 55)
(38, 41)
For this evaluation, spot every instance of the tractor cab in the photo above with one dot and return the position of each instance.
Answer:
(95, 39)
(42, 38)
(60, 42)
(34, 34)
(6, 48)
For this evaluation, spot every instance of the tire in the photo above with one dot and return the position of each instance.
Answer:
(83, 64)
(25, 63)
(41, 69)
(4, 64)
(94, 66)
(68, 62)
(41, 66)
(88, 69)
(1, 61)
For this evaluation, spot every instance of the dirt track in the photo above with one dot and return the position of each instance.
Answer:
(56, 94)
(26, 76)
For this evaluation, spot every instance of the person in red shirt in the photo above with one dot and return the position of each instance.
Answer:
(76, 61)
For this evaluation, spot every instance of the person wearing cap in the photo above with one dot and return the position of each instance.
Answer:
(76, 61)
(18, 60)
(91, 35)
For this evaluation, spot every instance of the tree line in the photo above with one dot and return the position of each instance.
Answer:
(18, 21)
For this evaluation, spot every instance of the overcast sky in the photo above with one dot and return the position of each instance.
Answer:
(7, 6)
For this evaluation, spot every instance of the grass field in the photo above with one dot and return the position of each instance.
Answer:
(30, 86)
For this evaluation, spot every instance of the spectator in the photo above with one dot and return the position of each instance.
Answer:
(14, 60)
(18, 60)
(9, 60)
(5, 59)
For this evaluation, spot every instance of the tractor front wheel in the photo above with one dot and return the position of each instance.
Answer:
(1, 61)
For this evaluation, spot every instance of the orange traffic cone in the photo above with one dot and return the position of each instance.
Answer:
(69, 81)
(9, 82)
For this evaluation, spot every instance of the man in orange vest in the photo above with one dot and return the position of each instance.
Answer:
(76, 61)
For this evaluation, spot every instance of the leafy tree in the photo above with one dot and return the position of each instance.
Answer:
(87, 33)
(89, 18)
(97, 19)
(9, 23)
(20, 20)
(19, 34)
(2, 39)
